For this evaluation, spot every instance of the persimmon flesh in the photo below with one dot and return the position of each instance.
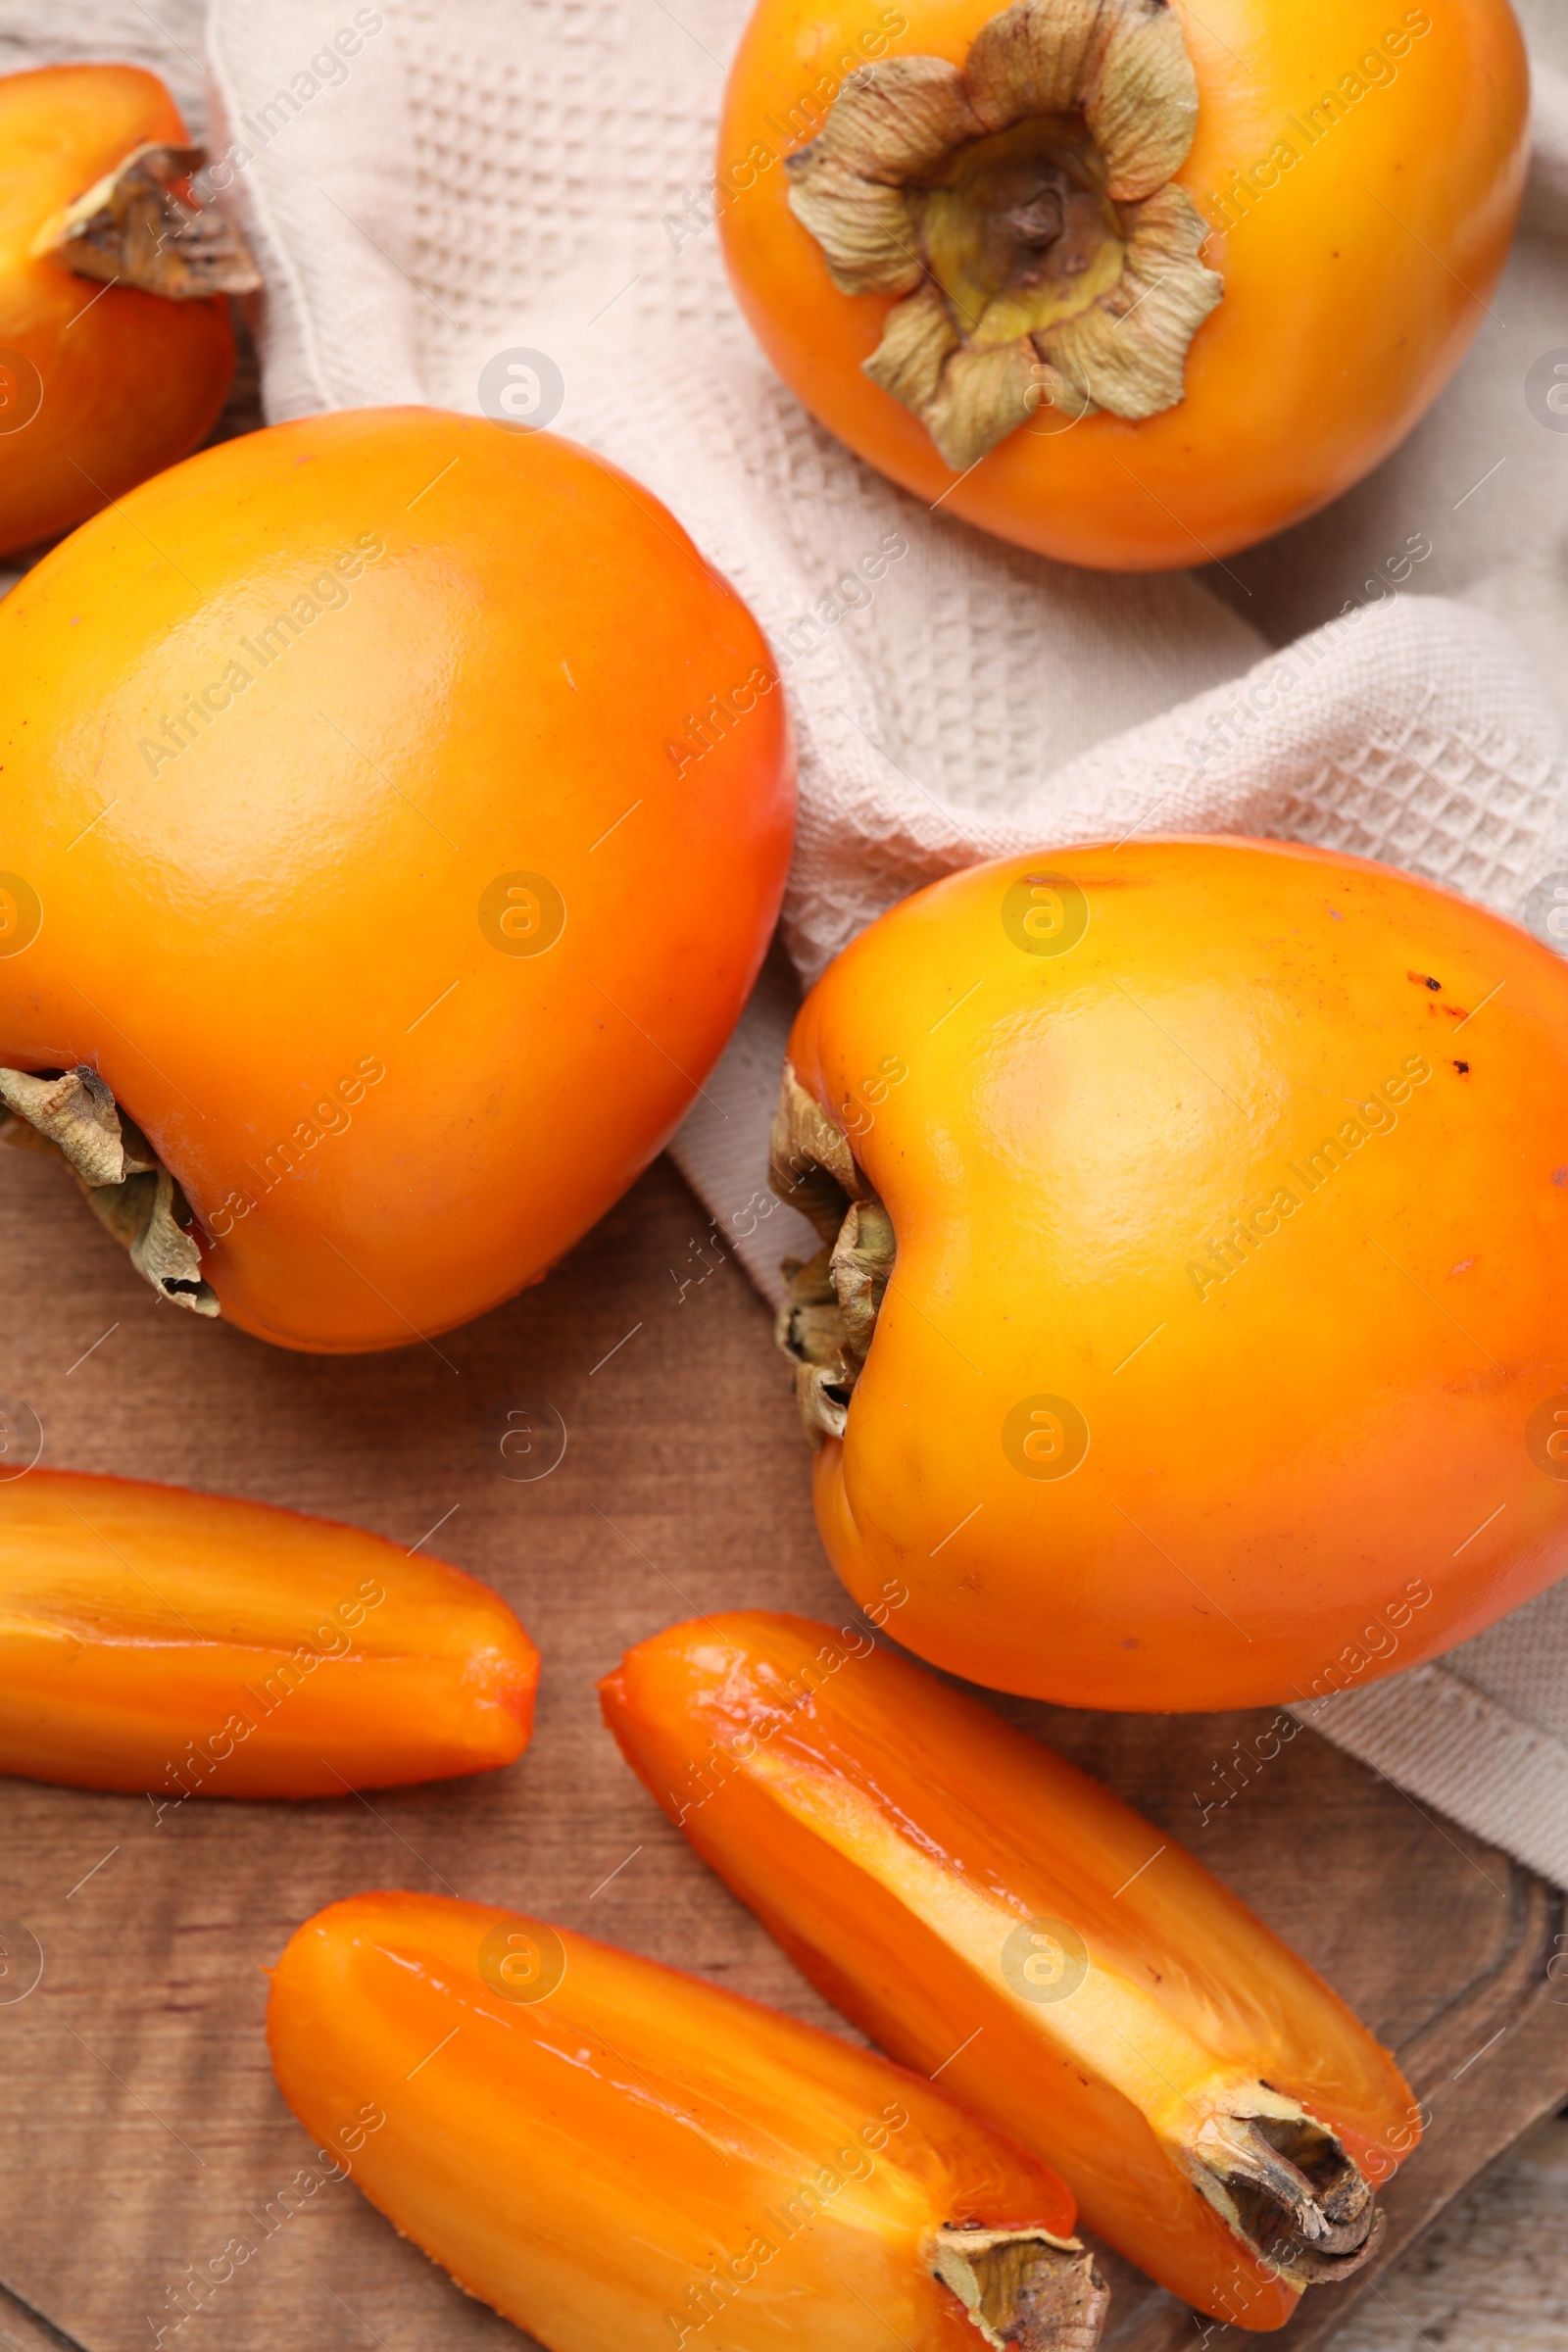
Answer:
(1192, 1330)
(397, 811)
(1348, 180)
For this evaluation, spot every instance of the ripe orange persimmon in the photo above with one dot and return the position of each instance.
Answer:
(1192, 1329)
(116, 350)
(397, 807)
(1154, 281)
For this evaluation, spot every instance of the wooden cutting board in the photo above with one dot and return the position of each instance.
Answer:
(142, 2134)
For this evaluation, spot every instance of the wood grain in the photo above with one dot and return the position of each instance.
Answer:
(143, 2132)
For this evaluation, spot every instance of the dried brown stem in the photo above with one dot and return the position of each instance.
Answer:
(1024, 2289)
(827, 1320)
(135, 228)
(1024, 208)
(1290, 2188)
(75, 1116)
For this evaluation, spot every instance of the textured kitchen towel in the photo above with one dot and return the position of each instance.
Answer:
(481, 179)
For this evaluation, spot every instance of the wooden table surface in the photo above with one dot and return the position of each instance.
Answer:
(142, 2131)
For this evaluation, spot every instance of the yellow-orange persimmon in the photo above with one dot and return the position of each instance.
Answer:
(616, 2155)
(1137, 285)
(196, 1646)
(985, 1910)
(116, 349)
(397, 811)
(1189, 1329)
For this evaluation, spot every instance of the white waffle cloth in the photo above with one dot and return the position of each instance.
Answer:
(481, 176)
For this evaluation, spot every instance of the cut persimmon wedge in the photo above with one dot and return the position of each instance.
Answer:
(194, 1645)
(616, 2155)
(981, 1907)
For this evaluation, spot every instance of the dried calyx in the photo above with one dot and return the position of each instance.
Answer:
(1288, 2186)
(829, 1313)
(75, 1116)
(134, 228)
(1023, 2287)
(1025, 210)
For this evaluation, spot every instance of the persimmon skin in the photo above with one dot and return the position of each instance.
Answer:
(196, 1646)
(1353, 285)
(131, 382)
(584, 2160)
(272, 938)
(1302, 1473)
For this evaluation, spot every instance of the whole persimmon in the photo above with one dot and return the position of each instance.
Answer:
(1131, 282)
(116, 350)
(1190, 1331)
(396, 811)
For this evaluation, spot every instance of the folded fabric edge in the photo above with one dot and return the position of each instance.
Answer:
(1432, 1732)
(721, 1146)
(1546, 208)
(292, 382)
(1253, 756)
